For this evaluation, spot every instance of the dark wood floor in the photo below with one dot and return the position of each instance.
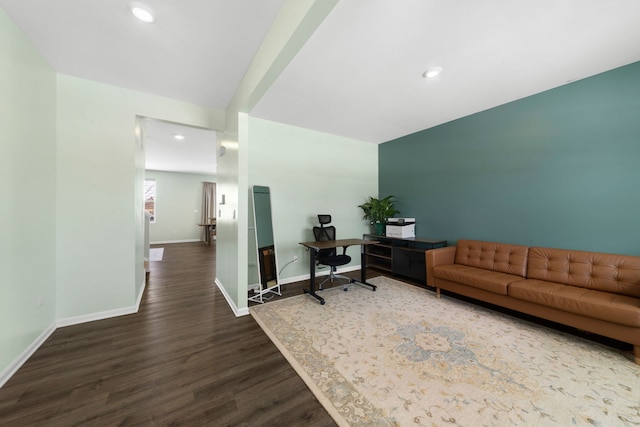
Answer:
(183, 359)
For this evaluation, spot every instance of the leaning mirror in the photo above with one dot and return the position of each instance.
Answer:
(266, 259)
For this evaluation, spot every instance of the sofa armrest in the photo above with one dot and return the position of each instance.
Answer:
(439, 256)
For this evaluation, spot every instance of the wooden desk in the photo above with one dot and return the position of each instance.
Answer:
(209, 228)
(314, 247)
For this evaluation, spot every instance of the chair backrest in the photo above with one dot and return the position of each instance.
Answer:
(324, 219)
(323, 233)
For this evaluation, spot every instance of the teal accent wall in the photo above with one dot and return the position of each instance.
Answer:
(557, 169)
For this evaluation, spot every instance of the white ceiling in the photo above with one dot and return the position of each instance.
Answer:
(196, 51)
(360, 74)
(196, 153)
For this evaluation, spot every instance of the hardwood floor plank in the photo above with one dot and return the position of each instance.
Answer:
(183, 359)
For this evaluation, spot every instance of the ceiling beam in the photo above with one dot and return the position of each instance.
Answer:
(296, 21)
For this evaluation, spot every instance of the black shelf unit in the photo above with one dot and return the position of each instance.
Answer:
(400, 256)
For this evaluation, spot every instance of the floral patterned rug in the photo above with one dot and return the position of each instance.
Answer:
(401, 357)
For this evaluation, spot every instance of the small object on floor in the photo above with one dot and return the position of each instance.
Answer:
(156, 254)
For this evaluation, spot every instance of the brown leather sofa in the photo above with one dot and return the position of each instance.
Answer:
(590, 291)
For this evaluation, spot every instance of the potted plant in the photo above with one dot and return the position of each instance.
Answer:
(376, 211)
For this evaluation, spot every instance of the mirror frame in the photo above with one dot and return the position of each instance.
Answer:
(263, 221)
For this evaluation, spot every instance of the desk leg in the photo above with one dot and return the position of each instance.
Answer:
(312, 277)
(207, 235)
(363, 269)
(210, 229)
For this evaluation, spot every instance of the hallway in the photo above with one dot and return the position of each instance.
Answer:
(183, 359)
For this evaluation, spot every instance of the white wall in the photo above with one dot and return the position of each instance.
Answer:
(178, 206)
(311, 173)
(27, 193)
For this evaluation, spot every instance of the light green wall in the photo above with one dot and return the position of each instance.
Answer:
(296, 21)
(141, 229)
(27, 191)
(311, 173)
(178, 206)
(99, 223)
(227, 175)
(72, 169)
(86, 160)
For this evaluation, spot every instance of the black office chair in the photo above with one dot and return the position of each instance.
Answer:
(330, 257)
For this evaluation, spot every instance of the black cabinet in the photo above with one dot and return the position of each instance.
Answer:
(400, 257)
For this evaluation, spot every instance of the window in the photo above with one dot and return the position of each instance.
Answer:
(150, 198)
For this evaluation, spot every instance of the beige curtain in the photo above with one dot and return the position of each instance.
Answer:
(208, 206)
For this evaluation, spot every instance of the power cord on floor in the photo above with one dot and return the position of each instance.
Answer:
(280, 272)
(318, 266)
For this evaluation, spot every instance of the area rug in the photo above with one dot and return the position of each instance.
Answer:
(401, 357)
(156, 254)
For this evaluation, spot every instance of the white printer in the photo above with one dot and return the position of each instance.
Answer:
(401, 227)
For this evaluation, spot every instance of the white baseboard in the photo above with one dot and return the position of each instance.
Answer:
(91, 317)
(236, 311)
(294, 279)
(166, 242)
(141, 293)
(69, 321)
(318, 274)
(347, 269)
(10, 370)
(13, 367)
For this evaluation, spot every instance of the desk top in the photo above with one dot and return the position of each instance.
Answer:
(330, 244)
(408, 239)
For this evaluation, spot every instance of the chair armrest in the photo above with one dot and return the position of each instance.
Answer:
(439, 256)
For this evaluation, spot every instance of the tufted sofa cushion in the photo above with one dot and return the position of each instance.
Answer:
(618, 274)
(489, 280)
(620, 309)
(501, 257)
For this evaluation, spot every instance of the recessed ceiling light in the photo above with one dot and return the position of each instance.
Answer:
(432, 72)
(178, 136)
(142, 12)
